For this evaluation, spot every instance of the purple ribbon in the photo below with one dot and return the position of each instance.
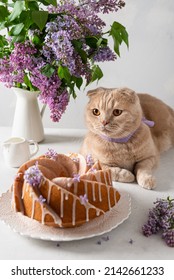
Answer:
(127, 138)
(149, 123)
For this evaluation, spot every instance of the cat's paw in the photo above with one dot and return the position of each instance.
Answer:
(122, 175)
(147, 181)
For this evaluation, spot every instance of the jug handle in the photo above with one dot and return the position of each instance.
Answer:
(43, 110)
(36, 149)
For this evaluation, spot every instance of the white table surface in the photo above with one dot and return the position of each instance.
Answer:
(14, 246)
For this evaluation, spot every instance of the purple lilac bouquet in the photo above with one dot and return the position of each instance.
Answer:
(161, 217)
(54, 46)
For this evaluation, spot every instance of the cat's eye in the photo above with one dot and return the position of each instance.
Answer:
(117, 112)
(96, 112)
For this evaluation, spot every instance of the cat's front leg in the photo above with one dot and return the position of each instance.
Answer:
(143, 172)
(120, 175)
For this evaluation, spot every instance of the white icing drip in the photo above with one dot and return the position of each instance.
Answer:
(49, 193)
(98, 212)
(86, 187)
(66, 196)
(110, 179)
(33, 206)
(87, 214)
(61, 204)
(93, 192)
(108, 193)
(75, 187)
(105, 177)
(89, 206)
(99, 193)
(50, 212)
(43, 214)
(23, 191)
(69, 182)
(74, 211)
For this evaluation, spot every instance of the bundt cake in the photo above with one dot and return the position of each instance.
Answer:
(63, 190)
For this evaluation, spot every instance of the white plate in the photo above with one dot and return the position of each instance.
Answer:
(31, 228)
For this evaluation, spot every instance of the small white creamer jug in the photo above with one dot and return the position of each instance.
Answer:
(16, 151)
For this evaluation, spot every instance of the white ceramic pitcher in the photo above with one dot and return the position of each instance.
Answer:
(16, 151)
(27, 121)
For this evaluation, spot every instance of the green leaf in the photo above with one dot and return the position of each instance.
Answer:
(28, 83)
(64, 73)
(48, 70)
(125, 37)
(91, 42)
(17, 10)
(95, 42)
(3, 13)
(26, 18)
(79, 82)
(72, 91)
(48, 2)
(36, 40)
(3, 41)
(40, 18)
(119, 34)
(78, 47)
(2, 25)
(16, 29)
(52, 2)
(18, 38)
(32, 5)
(102, 42)
(97, 73)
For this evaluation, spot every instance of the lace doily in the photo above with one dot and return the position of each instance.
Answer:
(31, 228)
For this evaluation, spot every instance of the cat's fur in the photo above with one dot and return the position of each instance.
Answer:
(136, 158)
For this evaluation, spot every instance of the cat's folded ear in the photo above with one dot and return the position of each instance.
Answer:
(93, 92)
(129, 94)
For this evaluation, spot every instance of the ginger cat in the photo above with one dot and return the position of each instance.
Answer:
(127, 133)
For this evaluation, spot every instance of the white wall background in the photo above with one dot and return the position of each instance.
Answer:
(148, 65)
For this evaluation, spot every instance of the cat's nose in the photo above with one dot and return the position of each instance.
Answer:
(105, 122)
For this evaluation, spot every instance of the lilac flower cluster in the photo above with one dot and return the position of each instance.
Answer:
(84, 13)
(22, 64)
(58, 46)
(89, 160)
(83, 199)
(161, 217)
(52, 154)
(14, 68)
(41, 199)
(104, 54)
(104, 6)
(33, 176)
(76, 177)
(71, 39)
(78, 22)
